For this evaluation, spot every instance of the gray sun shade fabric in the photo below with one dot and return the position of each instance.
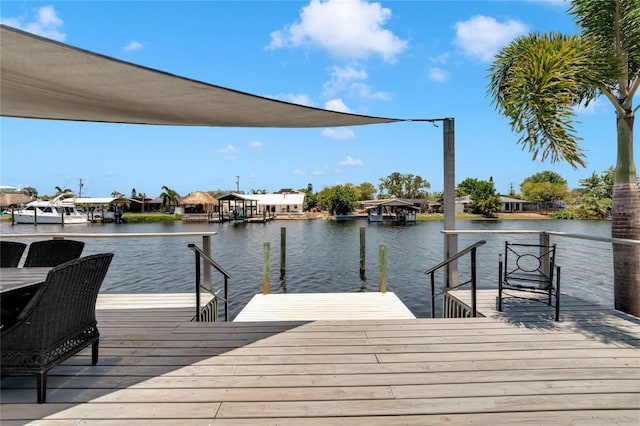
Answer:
(45, 79)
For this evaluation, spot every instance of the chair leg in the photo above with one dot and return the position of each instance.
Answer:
(41, 379)
(94, 352)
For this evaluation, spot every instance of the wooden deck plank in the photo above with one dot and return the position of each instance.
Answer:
(164, 369)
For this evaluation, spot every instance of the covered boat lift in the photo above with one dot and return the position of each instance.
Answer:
(392, 210)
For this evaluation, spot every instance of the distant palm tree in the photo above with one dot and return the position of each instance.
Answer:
(60, 190)
(116, 194)
(537, 81)
(169, 197)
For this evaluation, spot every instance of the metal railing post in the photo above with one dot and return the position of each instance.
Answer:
(473, 282)
(472, 249)
(197, 287)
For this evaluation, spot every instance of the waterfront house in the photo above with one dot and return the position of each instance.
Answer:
(283, 202)
(514, 205)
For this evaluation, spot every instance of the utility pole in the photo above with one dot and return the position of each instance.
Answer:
(80, 187)
(238, 184)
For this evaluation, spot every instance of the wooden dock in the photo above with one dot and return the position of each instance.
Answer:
(156, 367)
(324, 306)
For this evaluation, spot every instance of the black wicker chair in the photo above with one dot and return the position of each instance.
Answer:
(52, 252)
(11, 253)
(531, 268)
(58, 322)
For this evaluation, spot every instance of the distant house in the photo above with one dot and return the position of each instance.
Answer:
(509, 205)
(514, 205)
(283, 202)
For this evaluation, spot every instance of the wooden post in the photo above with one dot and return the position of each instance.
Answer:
(363, 234)
(62, 216)
(544, 254)
(382, 267)
(265, 269)
(283, 251)
(35, 215)
(13, 216)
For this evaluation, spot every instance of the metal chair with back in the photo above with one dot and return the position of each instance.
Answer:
(530, 268)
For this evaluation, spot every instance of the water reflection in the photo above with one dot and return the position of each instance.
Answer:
(324, 256)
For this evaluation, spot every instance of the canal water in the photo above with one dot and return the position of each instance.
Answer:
(324, 256)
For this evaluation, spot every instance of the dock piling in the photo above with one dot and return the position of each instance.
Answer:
(266, 287)
(382, 280)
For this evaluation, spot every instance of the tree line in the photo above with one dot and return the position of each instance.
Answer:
(591, 200)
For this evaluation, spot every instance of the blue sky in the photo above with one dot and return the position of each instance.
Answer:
(403, 59)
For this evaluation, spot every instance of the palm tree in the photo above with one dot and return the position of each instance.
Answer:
(169, 197)
(538, 80)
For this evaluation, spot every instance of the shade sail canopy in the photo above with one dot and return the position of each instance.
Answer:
(45, 79)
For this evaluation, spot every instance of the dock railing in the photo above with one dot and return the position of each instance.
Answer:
(210, 312)
(431, 272)
(201, 314)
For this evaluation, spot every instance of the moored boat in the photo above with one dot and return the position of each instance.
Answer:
(60, 210)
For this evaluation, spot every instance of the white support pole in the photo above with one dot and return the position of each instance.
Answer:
(450, 240)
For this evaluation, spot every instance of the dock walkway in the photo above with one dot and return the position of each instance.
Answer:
(158, 368)
(324, 306)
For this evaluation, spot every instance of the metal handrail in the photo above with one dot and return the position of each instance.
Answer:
(201, 254)
(472, 248)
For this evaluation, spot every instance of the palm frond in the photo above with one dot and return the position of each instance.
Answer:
(536, 82)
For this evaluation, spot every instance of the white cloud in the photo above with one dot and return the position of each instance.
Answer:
(227, 149)
(336, 105)
(46, 23)
(110, 173)
(342, 78)
(133, 45)
(230, 157)
(256, 144)
(440, 59)
(346, 29)
(363, 91)
(482, 36)
(299, 172)
(296, 98)
(594, 107)
(319, 171)
(338, 133)
(438, 74)
(350, 161)
(349, 79)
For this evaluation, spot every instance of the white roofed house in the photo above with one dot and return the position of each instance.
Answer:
(284, 202)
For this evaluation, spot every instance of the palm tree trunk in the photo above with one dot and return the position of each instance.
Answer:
(626, 222)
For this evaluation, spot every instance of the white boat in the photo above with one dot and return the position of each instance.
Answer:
(60, 210)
